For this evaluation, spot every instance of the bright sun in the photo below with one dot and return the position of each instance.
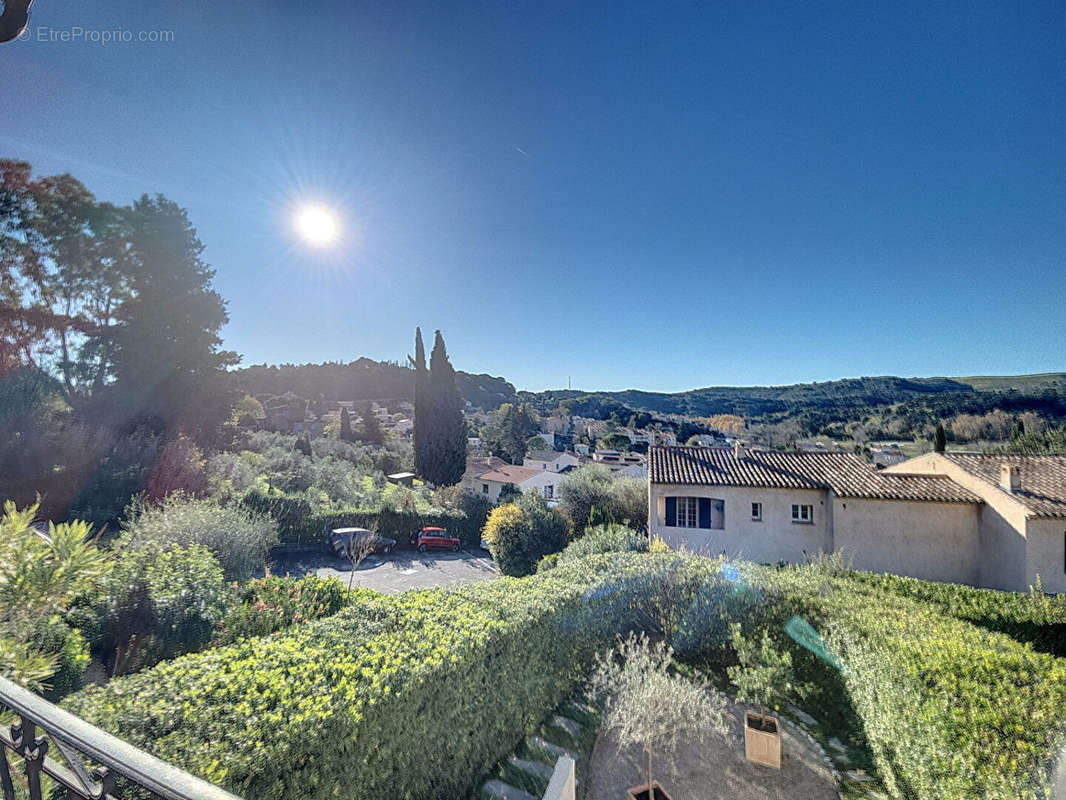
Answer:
(317, 225)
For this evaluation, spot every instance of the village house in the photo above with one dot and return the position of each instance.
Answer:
(488, 476)
(983, 520)
(551, 460)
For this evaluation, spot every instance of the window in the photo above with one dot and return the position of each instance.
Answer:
(687, 512)
(802, 513)
(756, 512)
(484, 488)
(549, 492)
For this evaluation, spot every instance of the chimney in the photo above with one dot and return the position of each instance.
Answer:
(740, 449)
(1010, 478)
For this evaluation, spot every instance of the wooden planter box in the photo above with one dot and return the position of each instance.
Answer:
(762, 740)
(641, 792)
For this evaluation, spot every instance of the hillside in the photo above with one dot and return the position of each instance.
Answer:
(363, 379)
(757, 401)
(1038, 382)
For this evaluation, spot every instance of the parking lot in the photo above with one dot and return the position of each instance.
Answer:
(397, 572)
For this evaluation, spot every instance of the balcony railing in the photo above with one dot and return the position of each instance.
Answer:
(44, 730)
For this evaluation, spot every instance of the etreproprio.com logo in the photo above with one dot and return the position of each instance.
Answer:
(77, 34)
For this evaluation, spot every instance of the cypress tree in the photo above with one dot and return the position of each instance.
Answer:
(346, 425)
(423, 414)
(940, 439)
(447, 439)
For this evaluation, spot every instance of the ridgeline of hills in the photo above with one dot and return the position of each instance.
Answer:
(816, 405)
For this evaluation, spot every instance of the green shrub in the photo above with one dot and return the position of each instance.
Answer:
(240, 540)
(154, 604)
(267, 605)
(521, 534)
(949, 709)
(608, 538)
(409, 696)
(1030, 617)
(615, 498)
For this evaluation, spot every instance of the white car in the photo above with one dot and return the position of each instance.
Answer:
(485, 545)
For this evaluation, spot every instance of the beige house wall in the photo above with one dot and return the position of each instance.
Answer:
(775, 538)
(932, 541)
(1046, 554)
(1003, 559)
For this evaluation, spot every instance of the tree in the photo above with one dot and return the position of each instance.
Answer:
(346, 426)
(615, 441)
(444, 460)
(423, 412)
(940, 438)
(649, 705)
(169, 368)
(372, 432)
(358, 548)
(508, 437)
(764, 676)
(621, 499)
(521, 534)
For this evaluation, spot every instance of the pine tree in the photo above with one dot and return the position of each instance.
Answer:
(346, 425)
(423, 414)
(940, 439)
(447, 439)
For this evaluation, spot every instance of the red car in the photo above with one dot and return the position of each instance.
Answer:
(437, 539)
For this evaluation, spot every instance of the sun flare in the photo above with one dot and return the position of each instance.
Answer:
(317, 225)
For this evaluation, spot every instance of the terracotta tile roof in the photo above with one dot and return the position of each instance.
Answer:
(509, 473)
(845, 473)
(476, 467)
(1043, 489)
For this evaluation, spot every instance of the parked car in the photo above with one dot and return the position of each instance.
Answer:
(342, 539)
(485, 545)
(431, 538)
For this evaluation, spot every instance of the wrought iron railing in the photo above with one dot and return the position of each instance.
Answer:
(43, 729)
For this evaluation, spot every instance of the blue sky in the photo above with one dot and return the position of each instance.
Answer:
(625, 195)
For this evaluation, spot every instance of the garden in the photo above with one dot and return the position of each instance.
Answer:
(283, 687)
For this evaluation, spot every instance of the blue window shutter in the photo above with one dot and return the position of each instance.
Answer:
(705, 512)
(671, 512)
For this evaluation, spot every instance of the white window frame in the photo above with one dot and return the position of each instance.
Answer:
(803, 513)
(688, 511)
(756, 512)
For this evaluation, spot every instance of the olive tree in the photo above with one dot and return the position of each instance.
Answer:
(649, 705)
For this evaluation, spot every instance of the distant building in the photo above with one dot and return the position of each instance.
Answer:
(550, 460)
(488, 476)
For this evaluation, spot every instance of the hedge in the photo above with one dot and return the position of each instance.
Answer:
(412, 696)
(1034, 618)
(950, 710)
(299, 524)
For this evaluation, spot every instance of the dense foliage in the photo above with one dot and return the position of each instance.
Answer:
(349, 706)
(40, 575)
(158, 601)
(617, 498)
(240, 539)
(109, 343)
(269, 604)
(521, 534)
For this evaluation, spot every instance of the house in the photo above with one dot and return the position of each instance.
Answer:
(548, 437)
(550, 460)
(1021, 525)
(776, 506)
(632, 464)
(490, 484)
(402, 478)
